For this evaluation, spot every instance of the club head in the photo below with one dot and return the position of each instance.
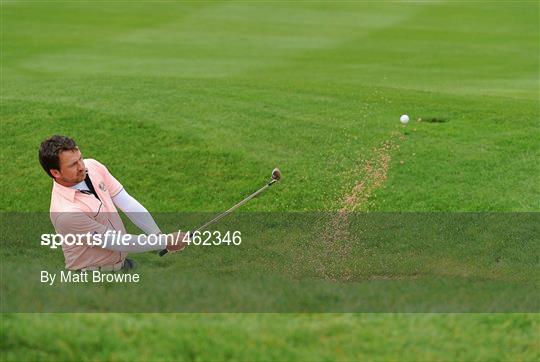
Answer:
(276, 174)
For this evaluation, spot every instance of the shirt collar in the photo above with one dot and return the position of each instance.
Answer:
(80, 186)
(64, 191)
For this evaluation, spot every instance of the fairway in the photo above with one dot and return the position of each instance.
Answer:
(191, 105)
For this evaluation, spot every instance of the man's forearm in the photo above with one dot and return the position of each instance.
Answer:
(136, 212)
(130, 243)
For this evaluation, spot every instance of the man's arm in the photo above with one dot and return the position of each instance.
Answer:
(78, 223)
(141, 243)
(136, 212)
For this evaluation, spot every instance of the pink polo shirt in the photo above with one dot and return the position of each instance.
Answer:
(73, 212)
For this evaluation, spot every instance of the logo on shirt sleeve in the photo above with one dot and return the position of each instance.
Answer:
(102, 186)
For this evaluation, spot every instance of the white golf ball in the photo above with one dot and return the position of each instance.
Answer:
(404, 119)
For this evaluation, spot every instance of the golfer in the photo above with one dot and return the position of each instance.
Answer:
(83, 202)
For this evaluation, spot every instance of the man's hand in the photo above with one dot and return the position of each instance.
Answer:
(175, 242)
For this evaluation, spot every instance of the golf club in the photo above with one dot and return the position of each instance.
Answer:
(276, 176)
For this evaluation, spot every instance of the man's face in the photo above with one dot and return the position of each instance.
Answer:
(72, 170)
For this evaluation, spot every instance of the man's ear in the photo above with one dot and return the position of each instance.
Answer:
(55, 173)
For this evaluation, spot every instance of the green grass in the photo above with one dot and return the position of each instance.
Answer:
(319, 337)
(191, 105)
(389, 263)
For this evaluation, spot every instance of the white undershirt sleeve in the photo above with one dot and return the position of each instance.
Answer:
(136, 212)
(130, 243)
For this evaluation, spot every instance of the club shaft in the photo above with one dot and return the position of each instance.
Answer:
(225, 213)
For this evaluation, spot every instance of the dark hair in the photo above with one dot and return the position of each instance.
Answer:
(49, 152)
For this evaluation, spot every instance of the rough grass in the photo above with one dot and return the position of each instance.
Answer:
(313, 337)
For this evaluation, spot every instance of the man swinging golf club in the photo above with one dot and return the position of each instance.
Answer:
(84, 200)
(79, 208)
